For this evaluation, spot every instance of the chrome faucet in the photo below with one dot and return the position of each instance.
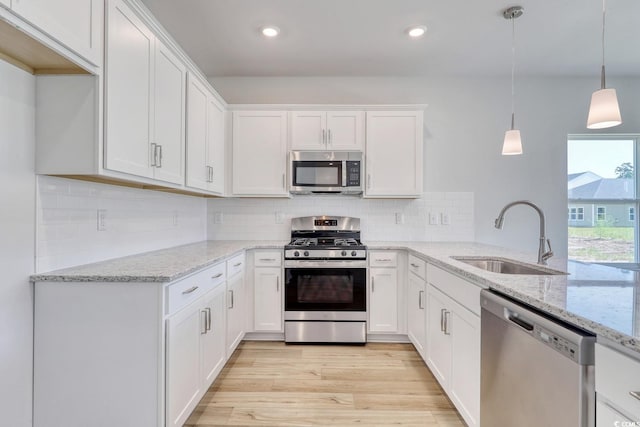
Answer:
(543, 255)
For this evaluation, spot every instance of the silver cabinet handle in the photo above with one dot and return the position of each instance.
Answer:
(420, 303)
(159, 156)
(442, 311)
(635, 394)
(414, 265)
(324, 136)
(190, 290)
(383, 259)
(277, 283)
(231, 299)
(447, 315)
(208, 309)
(268, 259)
(210, 173)
(237, 265)
(373, 286)
(368, 181)
(284, 183)
(203, 330)
(329, 136)
(154, 154)
(216, 276)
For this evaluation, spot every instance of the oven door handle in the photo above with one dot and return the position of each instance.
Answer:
(296, 264)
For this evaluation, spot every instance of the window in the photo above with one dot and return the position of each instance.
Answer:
(576, 214)
(602, 198)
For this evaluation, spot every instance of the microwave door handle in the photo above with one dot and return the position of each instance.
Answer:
(344, 173)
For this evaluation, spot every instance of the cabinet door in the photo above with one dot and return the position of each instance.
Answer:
(197, 170)
(76, 24)
(235, 312)
(383, 300)
(259, 153)
(416, 305)
(213, 341)
(183, 363)
(215, 145)
(394, 154)
(268, 299)
(606, 416)
(438, 340)
(345, 130)
(308, 130)
(464, 386)
(169, 115)
(128, 92)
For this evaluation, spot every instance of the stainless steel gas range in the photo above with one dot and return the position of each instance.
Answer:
(325, 281)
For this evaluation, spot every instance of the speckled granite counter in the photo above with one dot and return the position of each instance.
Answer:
(165, 265)
(603, 300)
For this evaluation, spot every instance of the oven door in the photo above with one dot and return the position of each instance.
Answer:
(325, 286)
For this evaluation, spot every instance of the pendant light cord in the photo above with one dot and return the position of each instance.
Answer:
(602, 75)
(513, 70)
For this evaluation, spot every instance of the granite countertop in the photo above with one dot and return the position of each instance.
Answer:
(603, 300)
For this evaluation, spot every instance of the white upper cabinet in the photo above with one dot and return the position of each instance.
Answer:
(129, 62)
(205, 139)
(169, 116)
(145, 100)
(394, 154)
(259, 153)
(327, 130)
(76, 24)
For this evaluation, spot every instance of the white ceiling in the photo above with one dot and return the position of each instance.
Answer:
(367, 37)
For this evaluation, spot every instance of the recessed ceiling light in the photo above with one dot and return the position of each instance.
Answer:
(270, 31)
(416, 32)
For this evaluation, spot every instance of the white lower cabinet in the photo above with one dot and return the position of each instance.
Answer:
(453, 339)
(617, 387)
(383, 292)
(236, 306)
(267, 291)
(417, 305)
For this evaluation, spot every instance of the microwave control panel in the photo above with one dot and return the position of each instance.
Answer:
(353, 174)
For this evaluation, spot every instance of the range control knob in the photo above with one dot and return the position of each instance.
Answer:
(343, 253)
(306, 253)
(354, 253)
(296, 253)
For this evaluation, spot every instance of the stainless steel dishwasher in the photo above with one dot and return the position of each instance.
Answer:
(536, 371)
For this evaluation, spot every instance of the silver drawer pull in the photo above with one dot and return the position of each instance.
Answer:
(383, 259)
(208, 327)
(216, 276)
(237, 265)
(268, 259)
(420, 303)
(190, 290)
(635, 394)
(414, 265)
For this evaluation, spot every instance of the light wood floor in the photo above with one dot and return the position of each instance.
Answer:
(273, 384)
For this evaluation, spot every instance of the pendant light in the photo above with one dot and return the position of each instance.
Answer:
(512, 144)
(604, 111)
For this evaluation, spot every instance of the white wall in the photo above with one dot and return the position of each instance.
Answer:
(247, 219)
(135, 221)
(464, 127)
(17, 215)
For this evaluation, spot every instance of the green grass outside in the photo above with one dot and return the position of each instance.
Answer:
(609, 233)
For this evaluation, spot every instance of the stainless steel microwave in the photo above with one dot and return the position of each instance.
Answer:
(337, 172)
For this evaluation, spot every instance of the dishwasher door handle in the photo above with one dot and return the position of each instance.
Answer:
(524, 325)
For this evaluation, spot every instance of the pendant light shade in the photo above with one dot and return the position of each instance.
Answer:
(512, 144)
(604, 111)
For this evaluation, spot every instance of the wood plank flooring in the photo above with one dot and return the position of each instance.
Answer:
(274, 384)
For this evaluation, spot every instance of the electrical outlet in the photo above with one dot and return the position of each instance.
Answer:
(433, 218)
(217, 218)
(102, 220)
(175, 218)
(445, 218)
(279, 217)
(399, 218)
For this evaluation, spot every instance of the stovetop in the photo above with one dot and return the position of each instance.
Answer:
(325, 238)
(323, 242)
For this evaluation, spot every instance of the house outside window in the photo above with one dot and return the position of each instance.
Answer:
(576, 214)
(601, 213)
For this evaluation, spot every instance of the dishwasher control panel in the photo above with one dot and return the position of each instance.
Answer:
(556, 342)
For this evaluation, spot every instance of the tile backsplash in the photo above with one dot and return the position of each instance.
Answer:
(382, 219)
(135, 221)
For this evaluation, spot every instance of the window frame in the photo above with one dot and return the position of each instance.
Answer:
(603, 213)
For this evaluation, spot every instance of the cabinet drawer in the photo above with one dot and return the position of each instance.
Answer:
(187, 290)
(383, 259)
(235, 265)
(465, 293)
(267, 259)
(617, 375)
(418, 266)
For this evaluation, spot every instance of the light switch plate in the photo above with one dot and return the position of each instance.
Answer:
(445, 218)
(175, 218)
(399, 218)
(433, 218)
(279, 217)
(102, 219)
(218, 218)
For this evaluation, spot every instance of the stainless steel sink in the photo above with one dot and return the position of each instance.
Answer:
(506, 266)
